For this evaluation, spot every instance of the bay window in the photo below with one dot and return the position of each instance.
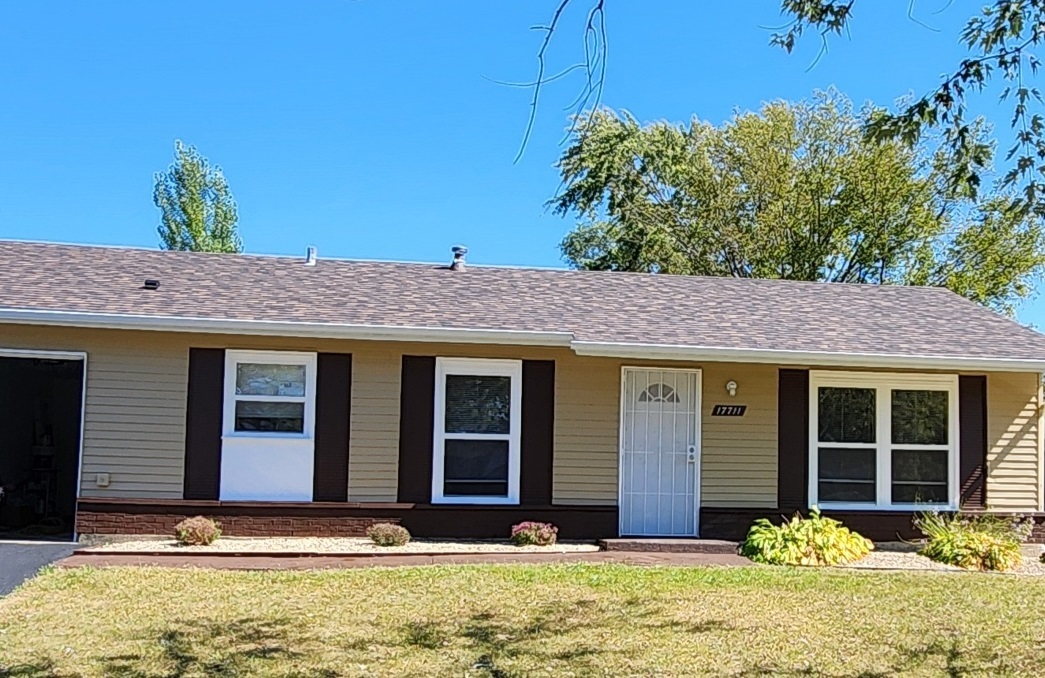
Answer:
(883, 441)
(477, 431)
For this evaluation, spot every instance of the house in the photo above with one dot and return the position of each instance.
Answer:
(310, 396)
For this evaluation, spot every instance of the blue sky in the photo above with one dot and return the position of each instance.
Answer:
(371, 128)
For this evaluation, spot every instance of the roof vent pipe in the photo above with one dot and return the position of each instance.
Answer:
(459, 253)
(311, 256)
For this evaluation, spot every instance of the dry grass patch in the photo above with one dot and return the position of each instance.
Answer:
(520, 620)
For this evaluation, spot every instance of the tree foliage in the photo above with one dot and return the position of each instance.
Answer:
(198, 210)
(795, 191)
(1001, 40)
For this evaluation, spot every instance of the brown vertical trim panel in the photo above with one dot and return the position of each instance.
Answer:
(203, 423)
(416, 424)
(538, 428)
(793, 440)
(972, 445)
(333, 413)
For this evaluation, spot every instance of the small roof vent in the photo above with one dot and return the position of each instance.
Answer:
(311, 256)
(151, 284)
(460, 251)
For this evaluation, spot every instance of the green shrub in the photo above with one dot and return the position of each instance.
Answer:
(388, 534)
(198, 531)
(1042, 558)
(532, 533)
(973, 541)
(815, 540)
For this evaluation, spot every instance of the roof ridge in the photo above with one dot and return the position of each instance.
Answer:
(472, 265)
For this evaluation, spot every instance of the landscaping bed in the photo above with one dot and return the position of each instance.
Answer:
(328, 546)
(899, 556)
(513, 620)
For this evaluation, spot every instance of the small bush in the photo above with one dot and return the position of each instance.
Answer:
(815, 540)
(974, 542)
(531, 533)
(198, 531)
(388, 534)
(1042, 558)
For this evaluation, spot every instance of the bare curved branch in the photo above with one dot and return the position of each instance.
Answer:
(593, 65)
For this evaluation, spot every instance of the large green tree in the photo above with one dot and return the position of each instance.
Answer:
(198, 212)
(794, 191)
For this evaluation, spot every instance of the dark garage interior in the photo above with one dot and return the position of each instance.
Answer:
(40, 406)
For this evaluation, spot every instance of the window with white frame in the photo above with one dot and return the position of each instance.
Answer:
(887, 441)
(269, 394)
(477, 431)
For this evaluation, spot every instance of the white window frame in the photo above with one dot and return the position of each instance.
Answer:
(486, 368)
(883, 383)
(233, 358)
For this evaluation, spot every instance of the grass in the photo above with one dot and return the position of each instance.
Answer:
(521, 620)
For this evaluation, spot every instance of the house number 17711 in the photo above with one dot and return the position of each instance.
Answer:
(728, 410)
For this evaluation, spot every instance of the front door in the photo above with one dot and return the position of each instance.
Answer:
(660, 452)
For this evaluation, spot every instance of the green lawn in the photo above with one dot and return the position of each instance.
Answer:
(521, 620)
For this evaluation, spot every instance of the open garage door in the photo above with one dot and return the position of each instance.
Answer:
(41, 416)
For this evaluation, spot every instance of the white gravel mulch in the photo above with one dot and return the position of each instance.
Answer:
(359, 545)
(906, 557)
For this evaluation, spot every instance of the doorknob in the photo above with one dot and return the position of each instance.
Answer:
(691, 454)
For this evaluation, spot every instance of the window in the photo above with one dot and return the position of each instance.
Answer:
(885, 441)
(658, 393)
(477, 426)
(269, 394)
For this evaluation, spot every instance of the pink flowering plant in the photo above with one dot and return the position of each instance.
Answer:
(531, 533)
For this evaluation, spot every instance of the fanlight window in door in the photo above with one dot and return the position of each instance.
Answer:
(658, 393)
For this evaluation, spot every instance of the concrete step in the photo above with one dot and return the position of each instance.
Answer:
(669, 545)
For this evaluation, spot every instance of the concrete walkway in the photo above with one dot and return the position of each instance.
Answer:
(336, 562)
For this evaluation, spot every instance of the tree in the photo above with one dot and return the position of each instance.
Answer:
(198, 210)
(1000, 38)
(795, 191)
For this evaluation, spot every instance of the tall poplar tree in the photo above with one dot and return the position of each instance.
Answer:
(198, 212)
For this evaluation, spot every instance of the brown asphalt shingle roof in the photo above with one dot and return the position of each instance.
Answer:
(593, 306)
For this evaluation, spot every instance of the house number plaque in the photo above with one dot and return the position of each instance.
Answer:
(728, 410)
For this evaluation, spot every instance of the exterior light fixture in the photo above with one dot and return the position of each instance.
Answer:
(731, 387)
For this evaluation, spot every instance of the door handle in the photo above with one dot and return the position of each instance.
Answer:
(691, 454)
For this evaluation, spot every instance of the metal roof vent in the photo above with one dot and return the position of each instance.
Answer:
(459, 254)
(151, 284)
(311, 256)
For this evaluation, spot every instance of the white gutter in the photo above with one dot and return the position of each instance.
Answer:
(633, 351)
(283, 328)
(817, 358)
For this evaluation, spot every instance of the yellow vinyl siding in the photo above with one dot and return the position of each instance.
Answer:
(1013, 444)
(739, 454)
(587, 431)
(137, 387)
(373, 463)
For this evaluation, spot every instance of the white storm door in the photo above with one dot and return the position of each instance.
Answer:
(660, 452)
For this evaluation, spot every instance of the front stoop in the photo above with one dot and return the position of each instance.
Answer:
(642, 544)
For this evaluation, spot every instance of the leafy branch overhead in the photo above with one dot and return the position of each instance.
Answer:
(198, 212)
(795, 191)
(1000, 40)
